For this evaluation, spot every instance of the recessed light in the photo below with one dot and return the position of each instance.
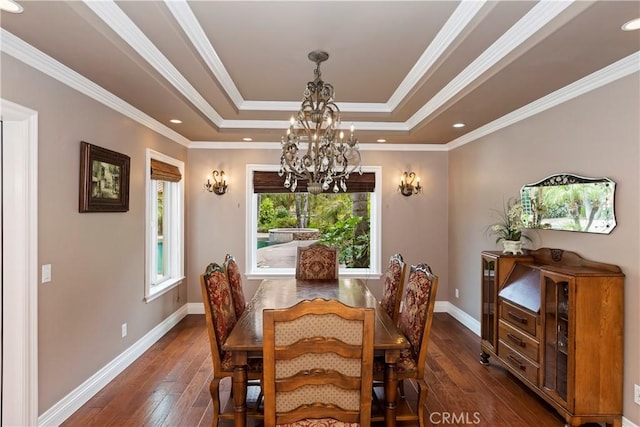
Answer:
(176, 121)
(381, 140)
(634, 24)
(458, 125)
(11, 6)
(247, 139)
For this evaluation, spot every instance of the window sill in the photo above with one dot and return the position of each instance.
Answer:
(162, 288)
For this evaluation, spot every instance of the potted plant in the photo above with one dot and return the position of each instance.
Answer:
(508, 228)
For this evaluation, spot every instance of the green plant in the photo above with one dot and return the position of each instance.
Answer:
(352, 248)
(509, 223)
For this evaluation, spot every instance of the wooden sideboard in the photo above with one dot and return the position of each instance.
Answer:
(555, 321)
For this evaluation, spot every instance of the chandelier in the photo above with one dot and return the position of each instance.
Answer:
(329, 156)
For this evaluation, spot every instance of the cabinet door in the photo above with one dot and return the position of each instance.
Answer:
(489, 295)
(557, 338)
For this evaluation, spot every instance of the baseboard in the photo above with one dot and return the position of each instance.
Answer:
(62, 410)
(628, 423)
(195, 308)
(461, 316)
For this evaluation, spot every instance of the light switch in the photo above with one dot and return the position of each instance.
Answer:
(46, 273)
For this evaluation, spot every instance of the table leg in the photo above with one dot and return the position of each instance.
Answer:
(390, 389)
(239, 388)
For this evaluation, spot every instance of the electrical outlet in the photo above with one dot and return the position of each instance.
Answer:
(457, 293)
(636, 393)
(124, 330)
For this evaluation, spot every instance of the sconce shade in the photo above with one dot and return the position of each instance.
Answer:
(407, 186)
(219, 185)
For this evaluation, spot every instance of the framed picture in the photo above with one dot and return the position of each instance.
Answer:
(104, 179)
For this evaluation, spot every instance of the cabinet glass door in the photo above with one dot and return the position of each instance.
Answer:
(488, 300)
(556, 336)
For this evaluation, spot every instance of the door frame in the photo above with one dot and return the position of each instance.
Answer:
(19, 264)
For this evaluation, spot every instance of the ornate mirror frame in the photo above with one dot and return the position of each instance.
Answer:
(570, 203)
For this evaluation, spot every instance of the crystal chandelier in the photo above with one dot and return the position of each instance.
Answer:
(329, 157)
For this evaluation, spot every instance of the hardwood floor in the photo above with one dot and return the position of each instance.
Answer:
(169, 385)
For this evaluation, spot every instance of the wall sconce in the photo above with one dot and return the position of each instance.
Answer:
(219, 185)
(407, 186)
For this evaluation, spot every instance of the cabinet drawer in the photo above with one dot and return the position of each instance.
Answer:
(518, 317)
(516, 339)
(518, 362)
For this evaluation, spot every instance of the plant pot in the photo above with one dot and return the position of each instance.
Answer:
(512, 246)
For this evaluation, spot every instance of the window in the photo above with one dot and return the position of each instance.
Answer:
(165, 224)
(271, 251)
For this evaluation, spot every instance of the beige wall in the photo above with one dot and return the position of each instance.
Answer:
(97, 258)
(414, 226)
(594, 135)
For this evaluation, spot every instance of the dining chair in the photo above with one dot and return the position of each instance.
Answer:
(235, 281)
(221, 318)
(318, 364)
(415, 323)
(317, 261)
(393, 287)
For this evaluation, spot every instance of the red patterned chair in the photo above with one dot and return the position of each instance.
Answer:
(393, 287)
(317, 261)
(415, 323)
(221, 318)
(235, 281)
(318, 365)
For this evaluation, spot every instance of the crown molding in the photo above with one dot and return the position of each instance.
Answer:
(256, 145)
(189, 23)
(38, 60)
(609, 74)
(454, 26)
(541, 14)
(119, 22)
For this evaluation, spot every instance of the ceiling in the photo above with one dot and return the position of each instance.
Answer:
(403, 71)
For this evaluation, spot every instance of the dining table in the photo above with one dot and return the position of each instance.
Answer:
(245, 340)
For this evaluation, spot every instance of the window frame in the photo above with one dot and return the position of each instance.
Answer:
(251, 225)
(173, 245)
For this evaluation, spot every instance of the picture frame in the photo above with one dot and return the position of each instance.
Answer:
(104, 179)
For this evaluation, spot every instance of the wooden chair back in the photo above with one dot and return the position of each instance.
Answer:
(417, 312)
(393, 287)
(317, 261)
(219, 313)
(318, 364)
(221, 318)
(235, 282)
(415, 322)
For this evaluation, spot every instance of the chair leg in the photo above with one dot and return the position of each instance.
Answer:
(401, 388)
(214, 389)
(422, 402)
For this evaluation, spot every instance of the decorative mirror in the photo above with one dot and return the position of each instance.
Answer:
(571, 203)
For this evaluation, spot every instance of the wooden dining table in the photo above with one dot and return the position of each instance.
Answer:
(245, 340)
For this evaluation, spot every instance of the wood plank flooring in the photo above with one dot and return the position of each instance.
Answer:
(169, 385)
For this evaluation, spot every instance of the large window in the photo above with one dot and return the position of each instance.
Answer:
(165, 224)
(278, 221)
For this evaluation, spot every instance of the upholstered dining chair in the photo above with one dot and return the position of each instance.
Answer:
(318, 364)
(235, 281)
(393, 287)
(317, 261)
(415, 323)
(221, 318)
